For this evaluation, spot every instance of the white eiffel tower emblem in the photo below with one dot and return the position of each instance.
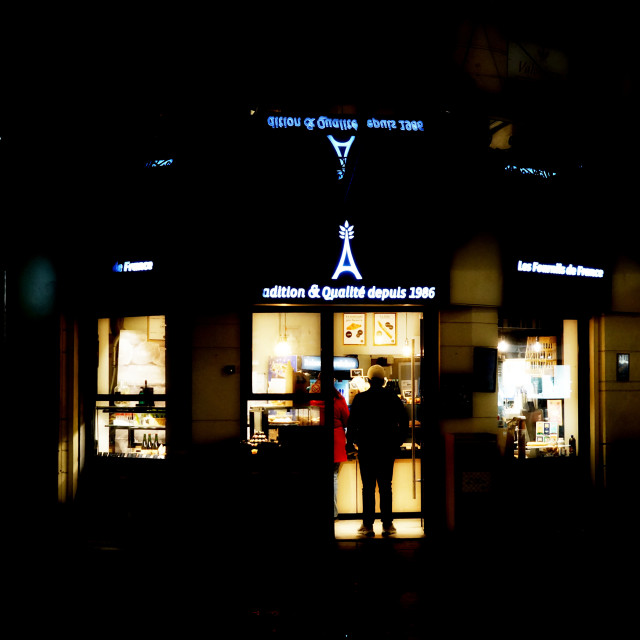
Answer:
(347, 263)
(342, 149)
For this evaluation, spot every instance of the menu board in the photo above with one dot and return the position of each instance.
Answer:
(353, 328)
(384, 329)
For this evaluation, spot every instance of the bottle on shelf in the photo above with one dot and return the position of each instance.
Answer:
(156, 444)
(572, 446)
(145, 442)
(146, 396)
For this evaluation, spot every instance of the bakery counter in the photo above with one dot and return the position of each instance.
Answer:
(349, 495)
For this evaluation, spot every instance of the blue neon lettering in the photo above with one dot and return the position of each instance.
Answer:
(342, 124)
(342, 149)
(350, 292)
(345, 124)
(159, 163)
(541, 173)
(560, 269)
(280, 292)
(283, 122)
(119, 267)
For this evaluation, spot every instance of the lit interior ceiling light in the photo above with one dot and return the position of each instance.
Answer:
(283, 348)
(406, 349)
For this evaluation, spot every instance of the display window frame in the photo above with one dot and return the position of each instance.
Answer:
(130, 415)
(297, 397)
(331, 326)
(327, 339)
(554, 414)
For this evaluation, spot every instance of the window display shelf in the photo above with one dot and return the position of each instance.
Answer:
(123, 431)
(138, 427)
(132, 397)
(130, 401)
(131, 456)
(136, 409)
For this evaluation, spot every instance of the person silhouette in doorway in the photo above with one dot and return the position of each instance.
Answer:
(378, 424)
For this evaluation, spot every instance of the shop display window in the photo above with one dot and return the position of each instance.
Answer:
(537, 389)
(286, 374)
(281, 343)
(130, 416)
(280, 340)
(285, 417)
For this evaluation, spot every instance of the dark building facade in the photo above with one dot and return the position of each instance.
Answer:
(448, 212)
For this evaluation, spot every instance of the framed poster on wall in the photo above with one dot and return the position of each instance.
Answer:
(353, 328)
(554, 409)
(384, 329)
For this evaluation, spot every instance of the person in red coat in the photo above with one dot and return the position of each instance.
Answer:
(340, 419)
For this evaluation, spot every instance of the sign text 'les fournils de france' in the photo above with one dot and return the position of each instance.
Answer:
(559, 269)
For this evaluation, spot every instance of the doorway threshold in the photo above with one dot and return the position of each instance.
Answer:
(407, 528)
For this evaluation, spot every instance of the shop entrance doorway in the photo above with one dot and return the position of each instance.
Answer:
(295, 349)
(392, 340)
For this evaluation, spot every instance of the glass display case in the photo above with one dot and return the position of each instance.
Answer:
(136, 431)
(130, 412)
(271, 421)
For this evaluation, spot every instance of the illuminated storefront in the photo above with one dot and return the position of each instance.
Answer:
(131, 406)
(130, 315)
(335, 328)
(353, 261)
(543, 329)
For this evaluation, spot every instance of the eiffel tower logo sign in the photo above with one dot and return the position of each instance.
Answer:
(347, 264)
(342, 151)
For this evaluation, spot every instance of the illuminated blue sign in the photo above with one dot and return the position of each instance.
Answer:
(529, 171)
(560, 269)
(120, 267)
(342, 149)
(346, 264)
(400, 125)
(316, 293)
(343, 124)
(349, 125)
(159, 163)
(369, 293)
(288, 122)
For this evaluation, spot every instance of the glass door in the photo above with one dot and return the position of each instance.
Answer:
(306, 369)
(393, 340)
